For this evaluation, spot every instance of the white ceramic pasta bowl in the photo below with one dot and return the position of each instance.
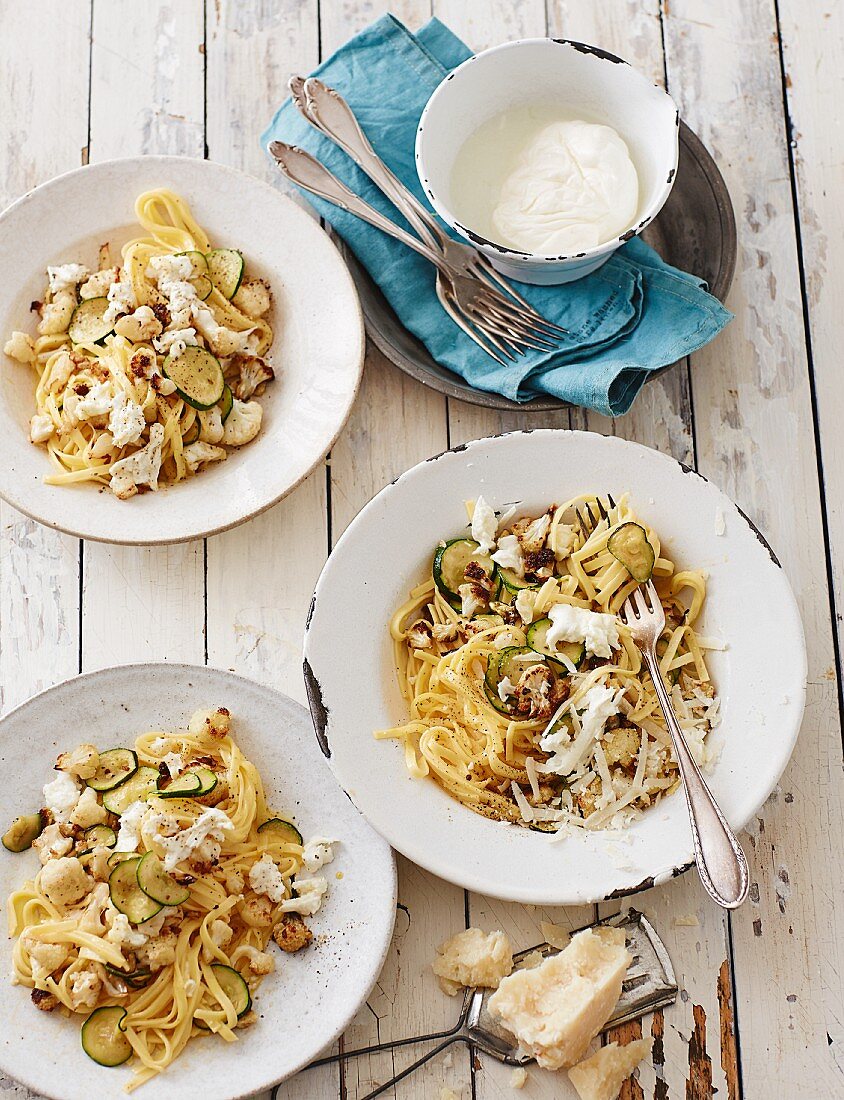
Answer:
(349, 669)
(591, 84)
(313, 995)
(318, 365)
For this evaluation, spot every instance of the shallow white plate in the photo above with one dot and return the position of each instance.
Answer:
(317, 352)
(387, 549)
(313, 995)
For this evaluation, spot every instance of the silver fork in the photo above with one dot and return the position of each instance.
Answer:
(329, 113)
(721, 863)
(475, 307)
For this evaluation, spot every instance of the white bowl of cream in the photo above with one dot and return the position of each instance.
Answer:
(547, 155)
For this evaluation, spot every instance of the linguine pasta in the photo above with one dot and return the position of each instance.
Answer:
(528, 700)
(243, 878)
(148, 370)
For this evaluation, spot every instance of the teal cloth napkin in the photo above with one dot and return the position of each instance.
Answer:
(630, 317)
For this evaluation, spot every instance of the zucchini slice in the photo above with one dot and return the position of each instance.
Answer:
(183, 786)
(279, 829)
(575, 651)
(103, 1036)
(23, 831)
(127, 896)
(135, 979)
(225, 267)
(137, 788)
(99, 836)
(510, 664)
(512, 583)
(234, 987)
(226, 403)
(88, 324)
(116, 766)
(157, 884)
(197, 376)
(629, 545)
(493, 698)
(199, 277)
(450, 563)
(207, 779)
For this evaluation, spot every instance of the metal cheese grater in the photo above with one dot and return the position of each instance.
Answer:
(650, 984)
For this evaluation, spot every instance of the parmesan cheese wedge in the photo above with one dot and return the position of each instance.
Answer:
(601, 1076)
(473, 958)
(557, 1008)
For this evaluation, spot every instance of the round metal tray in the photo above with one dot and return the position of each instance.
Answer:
(695, 231)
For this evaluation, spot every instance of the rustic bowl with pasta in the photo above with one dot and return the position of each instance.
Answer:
(480, 703)
(166, 370)
(88, 970)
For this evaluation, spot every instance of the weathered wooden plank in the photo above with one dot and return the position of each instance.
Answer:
(812, 40)
(661, 417)
(145, 604)
(39, 569)
(261, 576)
(395, 423)
(481, 25)
(755, 437)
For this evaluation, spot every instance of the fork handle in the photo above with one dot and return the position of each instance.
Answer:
(721, 862)
(332, 115)
(307, 172)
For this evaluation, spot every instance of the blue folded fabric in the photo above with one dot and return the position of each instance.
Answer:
(630, 317)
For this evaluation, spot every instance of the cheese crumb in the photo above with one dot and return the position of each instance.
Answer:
(473, 958)
(555, 934)
(518, 1078)
(556, 1009)
(601, 1076)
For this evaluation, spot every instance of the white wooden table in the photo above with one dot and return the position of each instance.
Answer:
(760, 1012)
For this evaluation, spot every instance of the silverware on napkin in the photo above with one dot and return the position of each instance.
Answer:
(468, 287)
(649, 984)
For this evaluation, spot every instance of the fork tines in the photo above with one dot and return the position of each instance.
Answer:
(588, 525)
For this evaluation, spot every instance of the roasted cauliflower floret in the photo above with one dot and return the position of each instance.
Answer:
(160, 951)
(256, 911)
(82, 762)
(140, 326)
(254, 372)
(217, 722)
(98, 284)
(44, 1001)
(621, 745)
(46, 958)
(64, 881)
(52, 844)
(85, 989)
(254, 298)
(88, 811)
(41, 427)
(20, 346)
(56, 315)
(210, 425)
(197, 454)
(243, 423)
(62, 370)
(291, 933)
(538, 693)
(420, 635)
(260, 962)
